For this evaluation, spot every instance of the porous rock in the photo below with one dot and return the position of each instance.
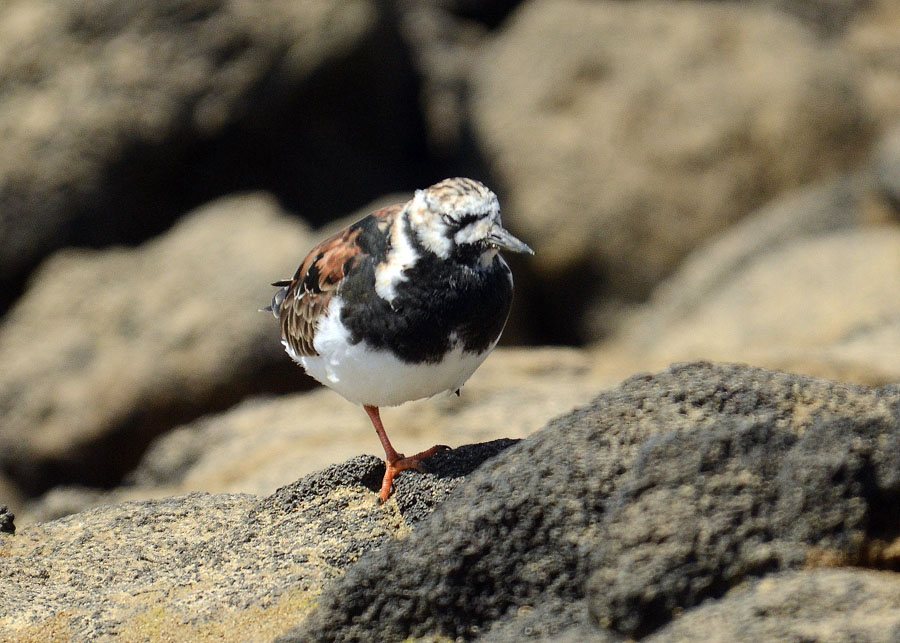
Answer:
(664, 492)
(840, 605)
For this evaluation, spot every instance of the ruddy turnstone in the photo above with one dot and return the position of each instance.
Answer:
(404, 304)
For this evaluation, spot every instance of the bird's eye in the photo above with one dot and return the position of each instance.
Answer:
(467, 219)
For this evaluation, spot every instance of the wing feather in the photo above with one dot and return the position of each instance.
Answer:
(319, 278)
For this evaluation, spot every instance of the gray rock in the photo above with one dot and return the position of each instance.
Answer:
(667, 491)
(624, 134)
(835, 605)
(230, 566)
(701, 512)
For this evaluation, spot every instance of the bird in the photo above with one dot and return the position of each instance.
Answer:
(404, 304)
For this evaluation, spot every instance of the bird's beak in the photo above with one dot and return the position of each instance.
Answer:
(501, 238)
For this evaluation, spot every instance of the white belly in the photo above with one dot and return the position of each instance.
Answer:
(376, 377)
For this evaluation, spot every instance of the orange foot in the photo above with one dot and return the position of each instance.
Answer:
(402, 463)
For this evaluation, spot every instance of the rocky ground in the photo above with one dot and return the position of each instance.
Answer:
(700, 180)
(725, 499)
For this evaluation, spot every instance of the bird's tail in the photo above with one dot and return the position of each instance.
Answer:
(275, 307)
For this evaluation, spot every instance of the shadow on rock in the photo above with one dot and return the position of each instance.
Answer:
(416, 493)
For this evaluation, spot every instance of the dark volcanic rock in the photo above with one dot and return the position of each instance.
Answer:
(6, 521)
(702, 511)
(839, 605)
(664, 492)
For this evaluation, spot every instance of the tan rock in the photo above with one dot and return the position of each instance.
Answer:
(873, 37)
(109, 348)
(624, 134)
(107, 108)
(823, 305)
(229, 567)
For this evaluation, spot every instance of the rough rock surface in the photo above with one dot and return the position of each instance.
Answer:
(665, 492)
(641, 128)
(230, 566)
(702, 511)
(839, 605)
(669, 495)
(109, 348)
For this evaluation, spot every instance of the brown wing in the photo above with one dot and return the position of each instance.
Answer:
(319, 277)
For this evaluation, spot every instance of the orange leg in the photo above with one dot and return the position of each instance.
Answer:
(396, 462)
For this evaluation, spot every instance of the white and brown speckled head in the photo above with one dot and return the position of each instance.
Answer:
(457, 212)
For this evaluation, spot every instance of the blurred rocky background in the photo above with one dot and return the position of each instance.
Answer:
(699, 179)
(713, 179)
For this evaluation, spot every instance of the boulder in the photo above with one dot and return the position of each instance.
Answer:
(110, 348)
(118, 119)
(664, 493)
(822, 304)
(624, 134)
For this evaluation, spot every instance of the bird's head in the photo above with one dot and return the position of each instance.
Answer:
(461, 217)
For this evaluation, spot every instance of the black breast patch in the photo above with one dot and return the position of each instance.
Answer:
(437, 300)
